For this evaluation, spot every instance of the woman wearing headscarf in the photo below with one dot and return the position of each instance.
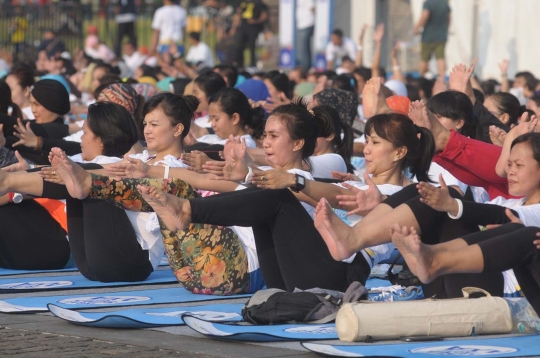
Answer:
(344, 102)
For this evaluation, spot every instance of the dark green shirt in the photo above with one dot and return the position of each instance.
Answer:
(436, 28)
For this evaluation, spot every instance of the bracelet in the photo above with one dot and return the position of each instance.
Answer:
(396, 68)
(32, 166)
(360, 47)
(247, 180)
(460, 210)
(39, 143)
(15, 198)
(166, 175)
(176, 55)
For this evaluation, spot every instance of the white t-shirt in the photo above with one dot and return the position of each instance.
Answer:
(134, 61)
(170, 20)
(214, 139)
(324, 164)
(336, 53)
(149, 240)
(203, 122)
(305, 15)
(200, 53)
(27, 111)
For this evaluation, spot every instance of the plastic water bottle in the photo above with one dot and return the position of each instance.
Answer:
(524, 318)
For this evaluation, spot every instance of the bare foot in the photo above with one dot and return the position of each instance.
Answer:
(418, 256)
(373, 100)
(173, 211)
(78, 182)
(337, 235)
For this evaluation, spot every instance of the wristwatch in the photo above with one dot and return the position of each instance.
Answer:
(299, 183)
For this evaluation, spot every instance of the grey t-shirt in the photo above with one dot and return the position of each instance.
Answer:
(436, 28)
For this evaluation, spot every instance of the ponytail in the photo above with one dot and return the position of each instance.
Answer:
(399, 130)
(420, 163)
(328, 122)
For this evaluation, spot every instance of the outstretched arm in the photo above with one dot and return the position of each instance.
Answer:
(377, 37)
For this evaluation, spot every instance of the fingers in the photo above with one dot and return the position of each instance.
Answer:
(512, 217)
(351, 188)
(442, 182)
(368, 179)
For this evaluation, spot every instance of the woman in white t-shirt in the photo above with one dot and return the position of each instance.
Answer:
(107, 243)
(204, 87)
(219, 262)
(231, 114)
(514, 244)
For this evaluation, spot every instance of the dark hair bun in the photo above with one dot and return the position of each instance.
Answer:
(192, 102)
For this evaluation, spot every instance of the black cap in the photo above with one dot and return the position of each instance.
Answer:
(52, 95)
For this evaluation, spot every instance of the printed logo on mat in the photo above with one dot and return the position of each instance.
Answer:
(35, 285)
(103, 300)
(312, 330)
(206, 315)
(464, 350)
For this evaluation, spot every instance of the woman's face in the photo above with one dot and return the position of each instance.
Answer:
(274, 93)
(201, 96)
(533, 107)
(523, 171)
(91, 145)
(41, 114)
(278, 145)
(381, 155)
(159, 133)
(223, 124)
(491, 106)
(449, 123)
(20, 96)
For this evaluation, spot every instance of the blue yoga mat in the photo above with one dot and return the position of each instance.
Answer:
(271, 333)
(149, 317)
(102, 300)
(8, 272)
(377, 282)
(517, 346)
(49, 283)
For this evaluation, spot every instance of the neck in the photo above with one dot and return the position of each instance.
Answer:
(392, 176)
(238, 132)
(324, 150)
(175, 151)
(532, 199)
(295, 164)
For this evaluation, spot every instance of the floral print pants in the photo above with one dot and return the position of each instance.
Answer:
(206, 259)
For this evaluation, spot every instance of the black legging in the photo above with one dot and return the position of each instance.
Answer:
(510, 246)
(291, 252)
(102, 240)
(436, 227)
(30, 239)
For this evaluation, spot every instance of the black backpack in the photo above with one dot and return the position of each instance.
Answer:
(274, 306)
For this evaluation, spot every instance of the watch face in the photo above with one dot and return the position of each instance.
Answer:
(301, 180)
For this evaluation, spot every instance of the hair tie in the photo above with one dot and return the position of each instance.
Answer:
(417, 129)
(311, 112)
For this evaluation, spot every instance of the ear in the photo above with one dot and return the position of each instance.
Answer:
(27, 92)
(235, 118)
(179, 128)
(330, 138)
(401, 152)
(460, 124)
(298, 145)
(505, 117)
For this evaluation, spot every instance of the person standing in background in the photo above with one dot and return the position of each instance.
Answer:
(18, 32)
(435, 20)
(126, 15)
(253, 15)
(337, 48)
(168, 27)
(305, 25)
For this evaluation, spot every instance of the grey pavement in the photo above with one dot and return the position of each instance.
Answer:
(44, 335)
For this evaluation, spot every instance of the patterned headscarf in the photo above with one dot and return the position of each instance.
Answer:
(144, 89)
(345, 102)
(122, 94)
